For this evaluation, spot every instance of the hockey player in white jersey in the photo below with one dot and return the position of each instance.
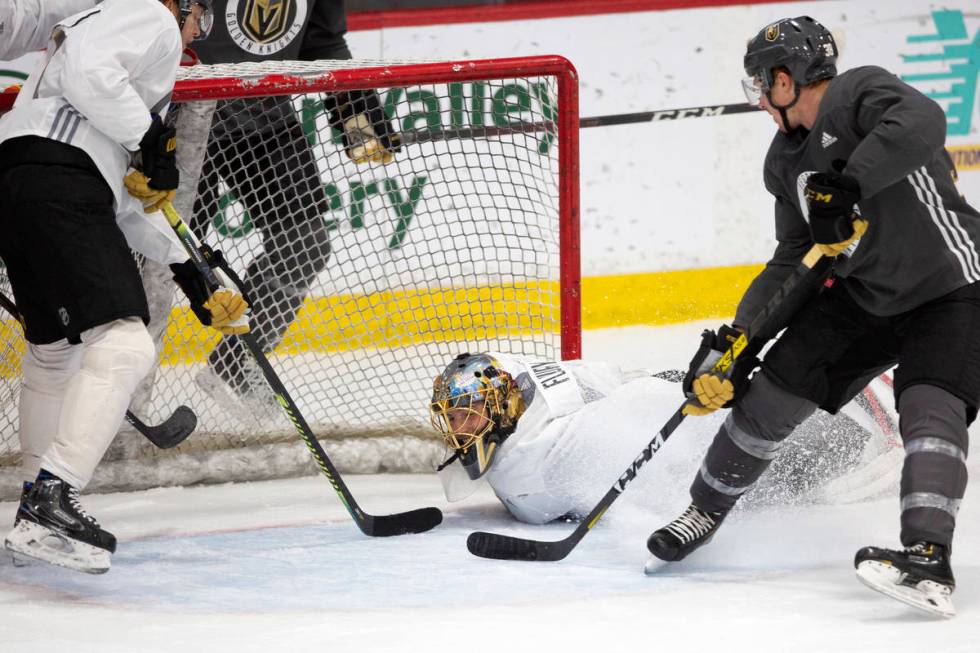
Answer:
(91, 109)
(550, 437)
(25, 25)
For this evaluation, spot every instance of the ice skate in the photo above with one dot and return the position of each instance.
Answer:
(235, 381)
(919, 575)
(681, 537)
(52, 526)
(18, 559)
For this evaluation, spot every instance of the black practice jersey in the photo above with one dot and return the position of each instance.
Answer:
(922, 238)
(246, 30)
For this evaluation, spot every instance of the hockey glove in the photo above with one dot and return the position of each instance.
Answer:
(155, 179)
(831, 199)
(366, 131)
(224, 309)
(706, 390)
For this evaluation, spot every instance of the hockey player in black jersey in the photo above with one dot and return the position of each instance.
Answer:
(258, 148)
(858, 167)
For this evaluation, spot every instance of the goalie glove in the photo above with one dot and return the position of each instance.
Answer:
(155, 178)
(365, 129)
(707, 390)
(223, 309)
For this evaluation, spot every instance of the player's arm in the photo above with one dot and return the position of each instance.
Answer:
(708, 391)
(27, 24)
(903, 130)
(358, 115)
(793, 240)
(102, 55)
(325, 30)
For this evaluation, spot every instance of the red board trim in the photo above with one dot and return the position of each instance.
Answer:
(368, 20)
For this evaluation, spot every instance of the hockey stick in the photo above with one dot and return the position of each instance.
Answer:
(166, 435)
(782, 304)
(707, 111)
(413, 521)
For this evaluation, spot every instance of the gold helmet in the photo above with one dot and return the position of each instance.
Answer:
(475, 405)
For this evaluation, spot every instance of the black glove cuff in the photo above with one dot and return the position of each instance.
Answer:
(830, 198)
(697, 362)
(713, 346)
(191, 281)
(158, 156)
(343, 106)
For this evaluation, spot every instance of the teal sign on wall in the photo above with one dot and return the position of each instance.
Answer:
(957, 65)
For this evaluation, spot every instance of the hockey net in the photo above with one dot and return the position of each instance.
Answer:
(467, 241)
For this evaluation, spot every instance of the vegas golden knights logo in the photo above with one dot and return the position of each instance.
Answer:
(265, 21)
(772, 32)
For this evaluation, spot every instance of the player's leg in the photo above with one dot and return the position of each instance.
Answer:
(938, 388)
(275, 175)
(80, 276)
(47, 369)
(820, 358)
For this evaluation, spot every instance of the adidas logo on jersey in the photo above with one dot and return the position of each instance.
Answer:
(827, 140)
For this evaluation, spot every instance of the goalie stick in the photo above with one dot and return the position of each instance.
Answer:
(783, 304)
(166, 435)
(413, 521)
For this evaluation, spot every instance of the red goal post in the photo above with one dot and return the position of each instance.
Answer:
(468, 241)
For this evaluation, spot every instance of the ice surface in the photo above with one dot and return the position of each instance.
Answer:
(276, 566)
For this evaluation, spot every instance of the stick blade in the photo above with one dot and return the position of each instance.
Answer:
(174, 430)
(505, 547)
(403, 523)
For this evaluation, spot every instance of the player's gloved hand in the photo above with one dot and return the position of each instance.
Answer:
(834, 224)
(224, 309)
(155, 178)
(706, 390)
(367, 133)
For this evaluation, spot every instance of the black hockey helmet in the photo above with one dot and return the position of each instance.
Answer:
(801, 45)
(207, 16)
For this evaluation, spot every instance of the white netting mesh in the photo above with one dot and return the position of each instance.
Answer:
(367, 279)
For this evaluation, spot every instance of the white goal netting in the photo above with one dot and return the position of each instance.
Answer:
(366, 279)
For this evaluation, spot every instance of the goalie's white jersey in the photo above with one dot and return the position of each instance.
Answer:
(107, 69)
(25, 25)
(550, 465)
(587, 421)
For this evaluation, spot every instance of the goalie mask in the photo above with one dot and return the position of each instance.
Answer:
(475, 405)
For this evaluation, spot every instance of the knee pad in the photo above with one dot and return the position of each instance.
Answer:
(122, 350)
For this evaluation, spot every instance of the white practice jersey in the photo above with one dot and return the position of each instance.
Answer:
(586, 422)
(553, 462)
(109, 69)
(25, 25)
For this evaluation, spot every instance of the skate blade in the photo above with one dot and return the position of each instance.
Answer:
(928, 596)
(654, 566)
(35, 542)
